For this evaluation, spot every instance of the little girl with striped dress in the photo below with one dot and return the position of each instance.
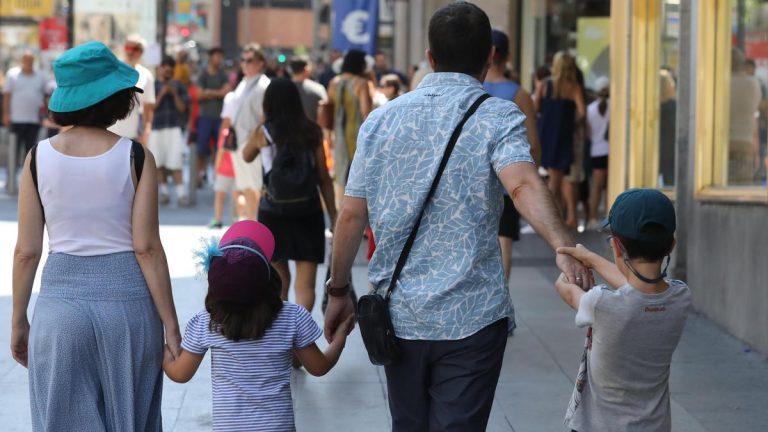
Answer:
(252, 335)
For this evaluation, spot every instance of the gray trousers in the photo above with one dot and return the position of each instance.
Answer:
(95, 347)
(446, 385)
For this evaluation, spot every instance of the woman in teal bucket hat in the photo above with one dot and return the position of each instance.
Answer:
(95, 346)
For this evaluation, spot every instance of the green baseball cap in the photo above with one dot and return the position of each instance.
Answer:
(635, 210)
(88, 74)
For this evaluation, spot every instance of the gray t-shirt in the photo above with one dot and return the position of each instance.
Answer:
(27, 95)
(634, 335)
(211, 108)
(311, 93)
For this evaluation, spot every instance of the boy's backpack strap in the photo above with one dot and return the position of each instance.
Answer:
(137, 155)
(33, 170)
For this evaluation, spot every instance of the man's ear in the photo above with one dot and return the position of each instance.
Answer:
(430, 59)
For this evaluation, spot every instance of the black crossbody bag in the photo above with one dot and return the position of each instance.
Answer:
(373, 309)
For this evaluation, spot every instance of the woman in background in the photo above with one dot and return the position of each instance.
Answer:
(559, 101)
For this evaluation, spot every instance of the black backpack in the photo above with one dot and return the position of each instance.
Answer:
(290, 187)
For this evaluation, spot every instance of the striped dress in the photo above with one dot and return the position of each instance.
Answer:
(252, 378)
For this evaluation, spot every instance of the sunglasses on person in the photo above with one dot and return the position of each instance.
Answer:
(132, 48)
(248, 60)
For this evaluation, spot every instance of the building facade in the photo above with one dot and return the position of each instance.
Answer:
(717, 98)
(689, 115)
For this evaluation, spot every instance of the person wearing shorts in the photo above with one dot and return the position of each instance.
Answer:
(213, 86)
(598, 119)
(166, 141)
(224, 183)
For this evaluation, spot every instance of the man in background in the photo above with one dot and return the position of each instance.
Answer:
(213, 85)
(138, 124)
(311, 92)
(166, 141)
(24, 94)
(249, 98)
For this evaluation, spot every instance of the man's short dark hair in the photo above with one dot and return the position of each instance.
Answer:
(749, 62)
(354, 62)
(101, 114)
(648, 251)
(460, 38)
(215, 50)
(168, 61)
(297, 64)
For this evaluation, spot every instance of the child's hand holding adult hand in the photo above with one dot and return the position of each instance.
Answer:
(173, 342)
(168, 356)
(579, 252)
(345, 328)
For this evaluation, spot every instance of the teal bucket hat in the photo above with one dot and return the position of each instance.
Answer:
(88, 74)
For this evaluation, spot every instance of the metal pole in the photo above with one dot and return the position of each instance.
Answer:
(247, 19)
(163, 26)
(13, 163)
(417, 37)
(193, 175)
(316, 30)
(71, 23)
(401, 35)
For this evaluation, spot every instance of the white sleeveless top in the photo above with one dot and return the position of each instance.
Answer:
(88, 201)
(598, 124)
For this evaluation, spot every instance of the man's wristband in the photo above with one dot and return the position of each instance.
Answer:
(337, 291)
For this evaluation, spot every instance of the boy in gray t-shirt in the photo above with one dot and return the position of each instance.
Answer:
(634, 323)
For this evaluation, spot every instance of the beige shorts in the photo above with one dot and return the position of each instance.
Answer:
(167, 146)
(223, 183)
(247, 175)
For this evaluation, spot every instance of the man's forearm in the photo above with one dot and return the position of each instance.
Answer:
(535, 203)
(346, 241)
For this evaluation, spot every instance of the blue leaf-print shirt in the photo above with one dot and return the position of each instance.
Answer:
(452, 285)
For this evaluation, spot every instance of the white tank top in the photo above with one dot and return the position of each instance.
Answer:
(598, 124)
(88, 201)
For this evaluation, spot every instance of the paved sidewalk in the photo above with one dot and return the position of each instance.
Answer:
(718, 384)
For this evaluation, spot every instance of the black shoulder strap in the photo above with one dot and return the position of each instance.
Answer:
(440, 169)
(33, 170)
(137, 155)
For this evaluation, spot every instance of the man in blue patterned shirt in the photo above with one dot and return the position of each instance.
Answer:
(451, 307)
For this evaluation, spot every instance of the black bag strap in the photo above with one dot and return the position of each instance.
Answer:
(137, 156)
(432, 189)
(33, 170)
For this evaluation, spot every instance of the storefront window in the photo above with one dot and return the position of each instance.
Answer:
(668, 76)
(748, 128)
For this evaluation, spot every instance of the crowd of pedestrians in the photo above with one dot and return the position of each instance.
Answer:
(437, 178)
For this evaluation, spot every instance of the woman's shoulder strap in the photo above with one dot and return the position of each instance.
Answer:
(33, 171)
(137, 156)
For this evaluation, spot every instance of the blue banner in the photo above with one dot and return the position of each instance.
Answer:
(356, 25)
